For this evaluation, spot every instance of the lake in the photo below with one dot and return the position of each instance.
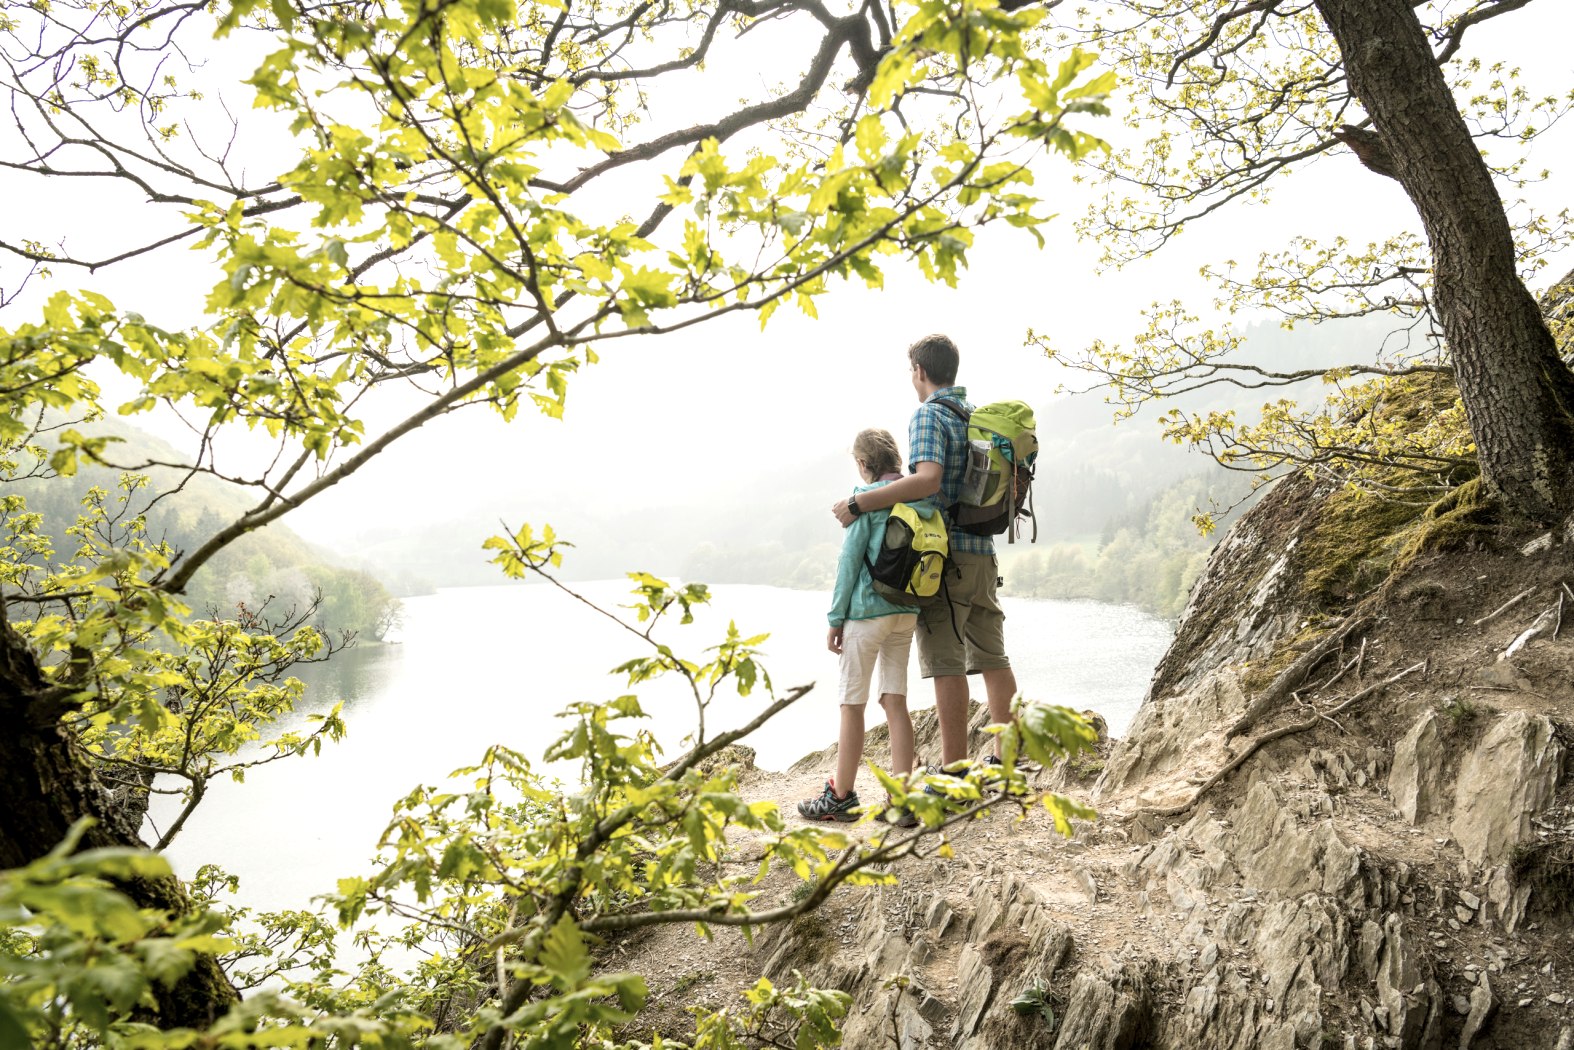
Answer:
(482, 665)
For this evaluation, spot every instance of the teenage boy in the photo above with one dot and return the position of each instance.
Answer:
(937, 443)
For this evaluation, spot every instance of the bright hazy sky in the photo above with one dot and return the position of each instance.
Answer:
(674, 419)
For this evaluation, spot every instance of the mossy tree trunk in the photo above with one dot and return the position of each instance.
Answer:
(46, 787)
(1518, 394)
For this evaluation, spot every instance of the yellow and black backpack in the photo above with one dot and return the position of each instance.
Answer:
(910, 568)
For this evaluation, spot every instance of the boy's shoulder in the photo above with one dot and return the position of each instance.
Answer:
(947, 399)
(941, 410)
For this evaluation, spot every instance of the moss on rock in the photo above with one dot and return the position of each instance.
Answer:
(1353, 545)
(1362, 541)
(1258, 675)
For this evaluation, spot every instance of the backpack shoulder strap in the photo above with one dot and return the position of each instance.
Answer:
(961, 413)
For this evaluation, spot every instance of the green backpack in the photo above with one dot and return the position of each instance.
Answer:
(910, 568)
(997, 484)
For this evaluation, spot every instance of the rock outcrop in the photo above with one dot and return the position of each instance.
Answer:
(1382, 861)
(1505, 783)
(1416, 780)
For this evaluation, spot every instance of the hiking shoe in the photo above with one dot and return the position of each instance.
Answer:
(995, 772)
(828, 805)
(955, 769)
(900, 816)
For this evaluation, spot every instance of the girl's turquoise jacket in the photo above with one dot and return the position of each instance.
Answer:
(854, 597)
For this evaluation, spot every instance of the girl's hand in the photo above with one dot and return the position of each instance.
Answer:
(833, 641)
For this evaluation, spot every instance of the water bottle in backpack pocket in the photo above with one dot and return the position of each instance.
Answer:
(978, 475)
(997, 479)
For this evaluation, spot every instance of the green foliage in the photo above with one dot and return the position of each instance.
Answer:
(152, 691)
(77, 956)
(1228, 102)
(270, 572)
(301, 317)
(1036, 1001)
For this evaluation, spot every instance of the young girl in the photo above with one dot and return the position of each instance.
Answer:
(867, 632)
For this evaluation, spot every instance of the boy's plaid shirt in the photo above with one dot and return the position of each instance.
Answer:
(938, 435)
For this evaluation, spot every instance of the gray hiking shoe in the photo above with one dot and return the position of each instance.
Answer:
(900, 816)
(828, 805)
(955, 769)
(995, 772)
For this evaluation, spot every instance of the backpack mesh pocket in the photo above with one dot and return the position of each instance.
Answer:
(977, 474)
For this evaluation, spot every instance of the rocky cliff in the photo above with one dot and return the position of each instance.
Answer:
(1333, 824)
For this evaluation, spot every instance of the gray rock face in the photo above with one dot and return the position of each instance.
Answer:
(1416, 780)
(1506, 780)
(1303, 947)
(1482, 1004)
(1220, 1011)
(1508, 900)
(1408, 1000)
(1286, 910)
(1108, 1012)
(1274, 851)
(977, 982)
(1164, 730)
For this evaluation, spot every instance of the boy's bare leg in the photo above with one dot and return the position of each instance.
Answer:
(849, 748)
(951, 708)
(900, 725)
(1001, 686)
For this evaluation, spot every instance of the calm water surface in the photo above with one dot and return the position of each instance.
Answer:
(483, 665)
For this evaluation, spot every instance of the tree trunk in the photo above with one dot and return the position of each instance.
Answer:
(1518, 395)
(46, 788)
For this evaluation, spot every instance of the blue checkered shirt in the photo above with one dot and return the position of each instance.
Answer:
(938, 435)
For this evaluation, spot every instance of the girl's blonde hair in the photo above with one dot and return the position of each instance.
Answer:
(877, 448)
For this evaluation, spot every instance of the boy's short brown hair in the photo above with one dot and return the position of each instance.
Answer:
(937, 356)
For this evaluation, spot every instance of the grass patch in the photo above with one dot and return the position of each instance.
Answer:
(1085, 766)
(1353, 546)
(1462, 714)
(1463, 514)
(1259, 675)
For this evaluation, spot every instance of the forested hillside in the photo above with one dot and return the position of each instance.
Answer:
(271, 572)
(1148, 557)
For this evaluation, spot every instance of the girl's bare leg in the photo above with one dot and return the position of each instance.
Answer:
(901, 726)
(850, 747)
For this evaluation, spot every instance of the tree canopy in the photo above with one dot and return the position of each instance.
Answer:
(1231, 98)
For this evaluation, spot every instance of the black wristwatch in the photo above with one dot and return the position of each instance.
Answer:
(852, 505)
